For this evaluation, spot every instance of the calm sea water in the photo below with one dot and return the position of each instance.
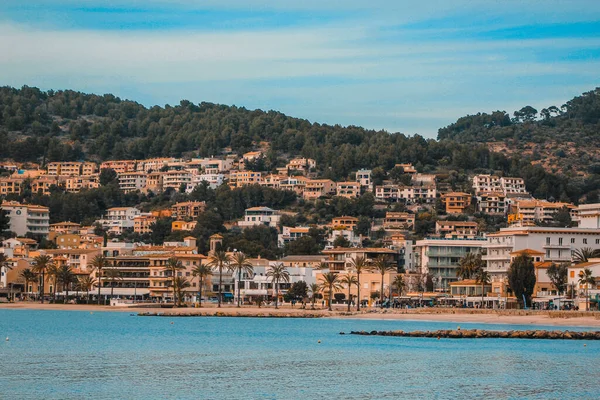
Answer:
(78, 355)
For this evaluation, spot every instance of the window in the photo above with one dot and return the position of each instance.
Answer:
(585, 241)
(572, 274)
(560, 241)
(597, 241)
(547, 241)
(572, 240)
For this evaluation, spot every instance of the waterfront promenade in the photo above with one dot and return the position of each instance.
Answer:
(520, 317)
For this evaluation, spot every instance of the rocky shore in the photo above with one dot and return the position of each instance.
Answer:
(482, 334)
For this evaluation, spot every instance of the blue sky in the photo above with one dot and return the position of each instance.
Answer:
(398, 65)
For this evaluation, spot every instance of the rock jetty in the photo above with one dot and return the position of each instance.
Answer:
(225, 314)
(483, 334)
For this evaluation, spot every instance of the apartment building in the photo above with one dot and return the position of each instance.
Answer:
(132, 181)
(256, 216)
(588, 216)
(496, 184)
(363, 177)
(316, 188)
(295, 184)
(398, 220)
(302, 165)
(188, 210)
(440, 257)
(119, 166)
(154, 182)
(350, 190)
(154, 164)
(42, 184)
(554, 244)
(456, 202)
(408, 194)
(74, 184)
(528, 212)
(493, 203)
(10, 185)
(344, 222)
(456, 229)
(289, 234)
(187, 226)
(27, 218)
(273, 181)
(72, 168)
(119, 218)
(176, 179)
(213, 181)
(243, 178)
(142, 223)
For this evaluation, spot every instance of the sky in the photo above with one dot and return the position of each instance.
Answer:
(403, 66)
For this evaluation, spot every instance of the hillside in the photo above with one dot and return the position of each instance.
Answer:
(564, 140)
(39, 126)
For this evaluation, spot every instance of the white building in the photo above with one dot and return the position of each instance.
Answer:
(260, 216)
(289, 234)
(363, 176)
(496, 184)
(27, 218)
(213, 181)
(348, 234)
(440, 257)
(588, 216)
(132, 181)
(174, 179)
(119, 218)
(556, 244)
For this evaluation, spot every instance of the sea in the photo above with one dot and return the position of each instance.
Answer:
(116, 355)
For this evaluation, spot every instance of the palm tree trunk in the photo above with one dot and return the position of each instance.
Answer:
(276, 293)
(99, 284)
(175, 299)
(220, 283)
(239, 287)
(349, 298)
(358, 292)
(482, 287)
(112, 289)
(330, 296)
(42, 287)
(200, 292)
(381, 293)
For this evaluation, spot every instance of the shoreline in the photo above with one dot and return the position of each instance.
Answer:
(475, 316)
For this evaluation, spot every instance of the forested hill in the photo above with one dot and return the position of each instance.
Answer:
(66, 125)
(564, 139)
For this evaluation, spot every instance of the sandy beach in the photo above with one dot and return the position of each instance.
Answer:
(520, 317)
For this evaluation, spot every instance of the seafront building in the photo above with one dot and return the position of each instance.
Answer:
(553, 244)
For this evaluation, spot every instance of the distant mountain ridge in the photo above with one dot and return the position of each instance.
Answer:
(66, 125)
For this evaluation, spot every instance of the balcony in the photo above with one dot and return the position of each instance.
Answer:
(492, 257)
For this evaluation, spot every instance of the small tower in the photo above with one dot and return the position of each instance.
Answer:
(216, 241)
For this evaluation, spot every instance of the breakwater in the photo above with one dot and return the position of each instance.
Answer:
(482, 334)
(231, 314)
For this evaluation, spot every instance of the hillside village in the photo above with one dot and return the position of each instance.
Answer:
(422, 227)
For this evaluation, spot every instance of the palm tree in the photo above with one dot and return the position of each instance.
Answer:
(239, 264)
(173, 267)
(399, 284)
(202, 271)
(482, 277)
(99, 263)
(112, 275)
(86, 283)
(180, 283)
(330, 282)
(29, 276)
(586, 278)
(40, 265)
(349, 280)
(469, 265)
(314, 291)
(382, 265)
(65, 276)
(278, 273)
(219, 259)
(358, 265)
(584, 254)
(52, 272)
